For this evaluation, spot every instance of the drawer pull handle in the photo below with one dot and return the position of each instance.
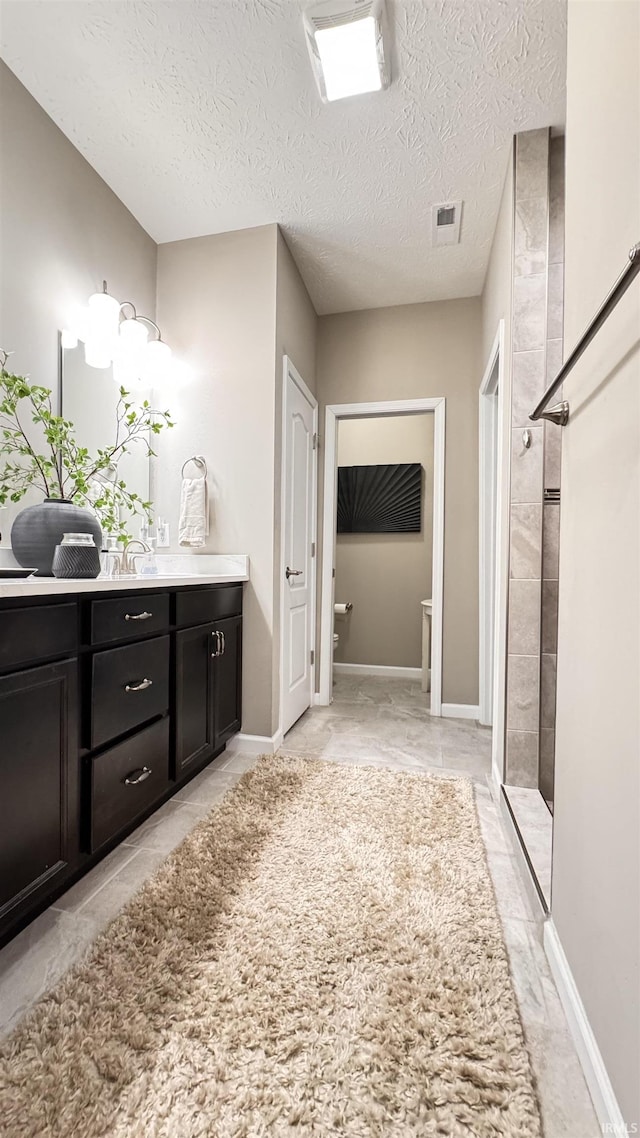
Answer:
(138, 615)
(220, 642)
(142, 686)
(137, 776)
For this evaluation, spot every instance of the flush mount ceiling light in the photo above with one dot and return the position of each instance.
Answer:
(346, 46)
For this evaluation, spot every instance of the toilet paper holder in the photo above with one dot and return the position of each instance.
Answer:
(341, 610)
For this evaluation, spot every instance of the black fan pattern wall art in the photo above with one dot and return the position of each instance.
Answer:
(380, 499)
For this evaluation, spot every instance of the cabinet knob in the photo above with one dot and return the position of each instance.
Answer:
(141, 686)
(137, 776)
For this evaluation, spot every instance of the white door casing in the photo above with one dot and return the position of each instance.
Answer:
(297, 679)
(495, 440)
(488, 451)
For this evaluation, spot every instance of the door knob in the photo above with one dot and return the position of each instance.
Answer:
(293, 573)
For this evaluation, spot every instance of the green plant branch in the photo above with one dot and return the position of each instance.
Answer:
(33, 453)
(91, 480)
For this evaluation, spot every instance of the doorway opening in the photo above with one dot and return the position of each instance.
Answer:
(378, 500)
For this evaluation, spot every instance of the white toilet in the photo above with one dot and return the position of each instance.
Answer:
(336, 638)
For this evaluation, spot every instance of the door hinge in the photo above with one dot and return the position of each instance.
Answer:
(313, 548)
(333, 573)
(316, 441)
(313, 656)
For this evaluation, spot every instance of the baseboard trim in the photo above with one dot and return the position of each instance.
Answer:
(595, 1072)
(460, 711)
(378, 670)
(254, 744)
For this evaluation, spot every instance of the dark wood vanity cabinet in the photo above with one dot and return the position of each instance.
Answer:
(227, 681)
(39, 786)
(107, 703)
(208, 690)
(193, 720)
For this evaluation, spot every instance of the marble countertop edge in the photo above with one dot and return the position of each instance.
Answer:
(50, 586)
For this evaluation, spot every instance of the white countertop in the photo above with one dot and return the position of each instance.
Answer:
(173, 572)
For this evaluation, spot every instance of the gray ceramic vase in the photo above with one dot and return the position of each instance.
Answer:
(38, 529)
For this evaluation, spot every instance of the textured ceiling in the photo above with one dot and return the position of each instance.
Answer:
(203, 116)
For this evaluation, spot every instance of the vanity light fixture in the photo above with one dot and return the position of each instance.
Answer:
(346, 46)
(113, 332)
(150, 358)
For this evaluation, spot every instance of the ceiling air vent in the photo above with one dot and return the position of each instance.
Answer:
(445, 223)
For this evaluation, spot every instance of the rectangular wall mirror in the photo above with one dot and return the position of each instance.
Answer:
(89, 398)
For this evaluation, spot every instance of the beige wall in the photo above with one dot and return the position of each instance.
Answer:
(233, 305)
(296, 337)
(385, 575)
(217, 308)
(421, 351)
(596, 868)
(62, 231)
(496, 293)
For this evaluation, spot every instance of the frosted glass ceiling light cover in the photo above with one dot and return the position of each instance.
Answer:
(346, 46)
(349, 59)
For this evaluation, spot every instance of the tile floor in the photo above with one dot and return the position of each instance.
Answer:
(379, 721)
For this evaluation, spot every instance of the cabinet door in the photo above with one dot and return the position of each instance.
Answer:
(227, 679)
(39, 806)
(193, 709)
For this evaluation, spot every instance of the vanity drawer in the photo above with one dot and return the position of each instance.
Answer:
(37, 633)
(198, 606)
(126, 780)
(128, 686)
(128, 618)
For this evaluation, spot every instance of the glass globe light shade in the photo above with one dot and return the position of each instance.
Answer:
(157, 359)
(104, 313)
(133, 334)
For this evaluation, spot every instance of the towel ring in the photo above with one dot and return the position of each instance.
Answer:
(199, 461)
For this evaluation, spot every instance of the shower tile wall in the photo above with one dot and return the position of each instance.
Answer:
(530, 334)
(552, 455)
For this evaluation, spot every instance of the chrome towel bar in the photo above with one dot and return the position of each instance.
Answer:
(560, 413)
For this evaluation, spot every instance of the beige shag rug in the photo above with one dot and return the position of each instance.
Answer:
(321, 956)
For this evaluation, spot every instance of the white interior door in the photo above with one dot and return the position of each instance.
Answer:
(298, 584)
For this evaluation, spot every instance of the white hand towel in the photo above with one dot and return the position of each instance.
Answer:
(193, 528)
